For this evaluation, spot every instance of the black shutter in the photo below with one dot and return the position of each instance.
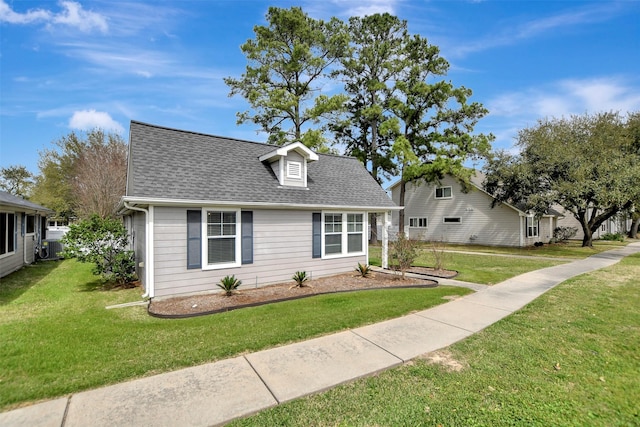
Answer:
(194, 239)
(247, 237)
(317, 235)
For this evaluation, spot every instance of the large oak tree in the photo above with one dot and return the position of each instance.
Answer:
(588, 164)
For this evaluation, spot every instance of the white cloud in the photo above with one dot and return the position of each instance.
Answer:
(348, 8)
(32, 15)
(570, 96)
(75, 16)
(512, 34)
(91, 119)
(72, 15)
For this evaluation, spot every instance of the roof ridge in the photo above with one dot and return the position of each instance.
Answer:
(198, 133)
(137, 122)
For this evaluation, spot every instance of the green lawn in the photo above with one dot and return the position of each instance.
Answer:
(570, 358)
(484, 269)
(56, 337)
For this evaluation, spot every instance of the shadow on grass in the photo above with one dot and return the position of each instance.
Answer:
(18, 282)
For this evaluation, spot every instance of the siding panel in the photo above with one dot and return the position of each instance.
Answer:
(282, 245)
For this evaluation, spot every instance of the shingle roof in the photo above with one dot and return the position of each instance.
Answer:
(9, 199)
(181, 165)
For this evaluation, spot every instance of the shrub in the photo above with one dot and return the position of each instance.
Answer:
(363, 270)
(562, 234)
(404, 251)
(439, 254)
(229, 284)
(538, 244)
(616, 237)
(103, 242)
(300, 277)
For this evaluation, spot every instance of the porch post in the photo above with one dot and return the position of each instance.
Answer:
(385, 240)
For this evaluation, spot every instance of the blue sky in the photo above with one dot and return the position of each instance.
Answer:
(76, 65)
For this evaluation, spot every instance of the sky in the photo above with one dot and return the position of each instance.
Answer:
(77, 65)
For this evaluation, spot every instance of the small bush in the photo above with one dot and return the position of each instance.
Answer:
(103, 242)
(562, 234)
(538, 244)
(229, 284)
(404, 251)
(300, 277)
(363, 270)
(615, 237)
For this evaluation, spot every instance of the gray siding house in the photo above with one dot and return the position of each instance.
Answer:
(443, 212)
(21, 228)
(201, 207)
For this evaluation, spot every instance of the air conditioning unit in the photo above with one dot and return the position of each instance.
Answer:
(51, 249)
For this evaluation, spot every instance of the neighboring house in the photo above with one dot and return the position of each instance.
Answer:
(201, 207)
(443, 212)
(619, 223)
(21, 231)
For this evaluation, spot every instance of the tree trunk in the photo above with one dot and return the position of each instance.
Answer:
(633, 231)
(373, 220)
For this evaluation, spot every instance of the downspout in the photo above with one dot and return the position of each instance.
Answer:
(147, 252)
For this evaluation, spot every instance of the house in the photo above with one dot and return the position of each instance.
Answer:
(22, 226)
(619, 223)
(201, 207)
(443, 212)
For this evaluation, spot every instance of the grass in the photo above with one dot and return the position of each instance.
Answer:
(570, 358)
(571, 249)
(56, 337)
(484, 269)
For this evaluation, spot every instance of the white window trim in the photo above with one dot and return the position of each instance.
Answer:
(418, 218)
(11, 235)
(443, 197)
(345, 235)
(527, 226)
(205, 240)
(452, 222)
(296, 166)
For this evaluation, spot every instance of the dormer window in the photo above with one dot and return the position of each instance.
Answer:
(290, 164)
(294, 170)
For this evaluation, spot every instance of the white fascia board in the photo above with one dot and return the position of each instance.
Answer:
(147, 201)
(282, 152)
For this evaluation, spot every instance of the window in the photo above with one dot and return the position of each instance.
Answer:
(355, 228)
(332, 234)
(7, 233)
(30, 225)
(221, 246)
(343, 233)
(418, 222)
(532, 227)
(443, 192)
(452, 220)
(294, 170)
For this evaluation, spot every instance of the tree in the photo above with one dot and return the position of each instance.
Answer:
(368, 73)
(288, 60)
(589, 165)
(83, 175)
(103, 242)
(435, 121)
(16, 180)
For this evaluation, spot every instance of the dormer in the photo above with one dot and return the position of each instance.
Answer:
(289, 163)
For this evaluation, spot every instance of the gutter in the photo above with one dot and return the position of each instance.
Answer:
(148, 277)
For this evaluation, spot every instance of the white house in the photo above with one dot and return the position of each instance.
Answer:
(443, 212)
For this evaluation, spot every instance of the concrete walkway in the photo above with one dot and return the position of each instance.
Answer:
(215, 393)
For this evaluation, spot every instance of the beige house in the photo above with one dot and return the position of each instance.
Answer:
(201, 207)
(21, 231)
(443, 212)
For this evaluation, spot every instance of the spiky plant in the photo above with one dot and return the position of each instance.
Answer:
(363, 269)
(300, 277)
(229, 284)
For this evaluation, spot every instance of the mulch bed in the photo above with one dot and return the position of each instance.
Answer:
(210, 303)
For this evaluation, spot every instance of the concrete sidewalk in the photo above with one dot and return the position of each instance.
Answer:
(218, 392)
